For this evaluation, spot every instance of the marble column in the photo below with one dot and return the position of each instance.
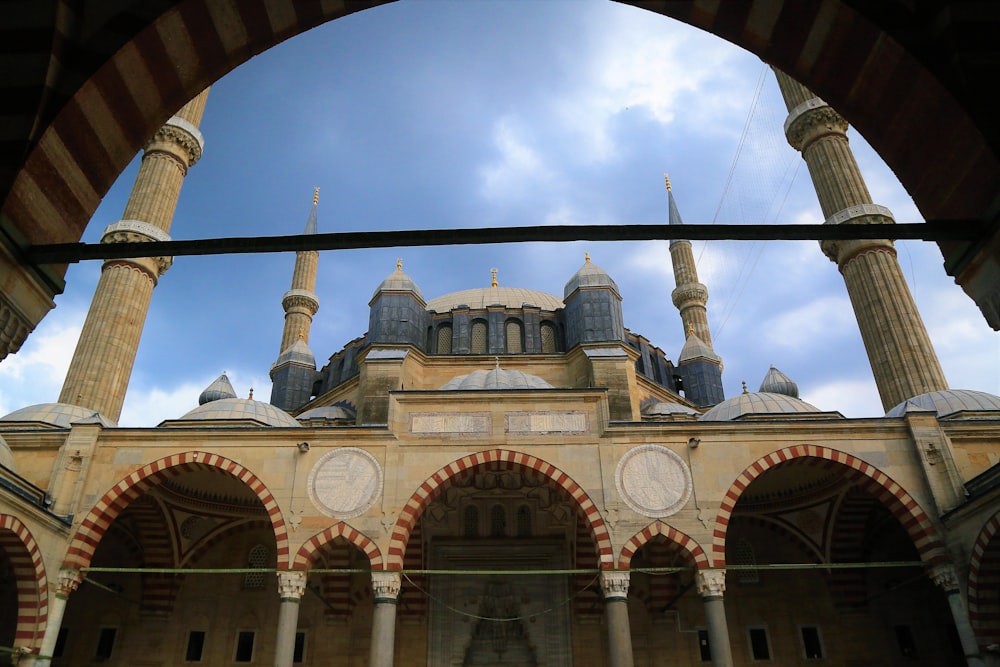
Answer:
(945, 577)
(66, 583)
(385, 589)
(615, 586)
(711, 585)
(291, 586)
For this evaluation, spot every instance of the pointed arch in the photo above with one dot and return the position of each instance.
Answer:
(894, 497)
(654, 529)
(308, 552)
(112, 503)
(32, 584)
(507, 460)
(984, 583)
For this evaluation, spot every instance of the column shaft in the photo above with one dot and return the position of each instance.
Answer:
(619, 632)
(291, 586)
(67, 583)
(385, 586)
(718, 632)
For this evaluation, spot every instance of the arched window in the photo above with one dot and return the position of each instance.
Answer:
(479, 336)
(498, 522)
(257, 558)
(515, 334)
(524, 521)
(444, 339)
(743, 555)
(471, 521)
(548, 338)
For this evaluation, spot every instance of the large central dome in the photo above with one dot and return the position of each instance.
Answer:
(511, 297)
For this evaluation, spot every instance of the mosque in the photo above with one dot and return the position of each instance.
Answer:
(503, 476)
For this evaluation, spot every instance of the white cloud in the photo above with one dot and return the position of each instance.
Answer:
(808, 326)
(36, 373)
(852, 398)
(518, 169)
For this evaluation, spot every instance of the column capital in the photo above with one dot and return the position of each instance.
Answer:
(945, 577)
(67, 581)
(385, 586)
(811, 120)
(615, 585)
(711, 583)
(291, 585)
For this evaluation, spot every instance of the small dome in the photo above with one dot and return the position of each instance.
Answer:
(329, 413)
(776, 382)
(497, 378)
(511, 297)
(221, 388)
(947, 402)
(62, 415)
(695, 348)
(6, 456)
(589, 275)
(297, 353)
(761, 403)
(666, 409)
(230, 409)
(397, 281)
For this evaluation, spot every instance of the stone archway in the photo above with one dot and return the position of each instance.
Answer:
(31, 582)
(658, 528)
(984, 582)
(305, 555)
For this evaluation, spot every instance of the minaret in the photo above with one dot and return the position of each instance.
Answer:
(903, 361)
(99, 373)
(698, 364)
(293, 373)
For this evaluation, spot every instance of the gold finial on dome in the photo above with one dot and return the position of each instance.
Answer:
(586, 257)
(399, 263)
(745, 387)
(315, 196)
(251, 393)
(493, 272)
(667, 179)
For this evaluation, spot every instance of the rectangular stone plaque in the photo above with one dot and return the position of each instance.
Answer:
(546, 422)
(434, 423)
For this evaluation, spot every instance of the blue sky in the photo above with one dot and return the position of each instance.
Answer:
(450, 114)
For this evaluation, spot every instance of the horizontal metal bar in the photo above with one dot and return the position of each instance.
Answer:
(63, 253)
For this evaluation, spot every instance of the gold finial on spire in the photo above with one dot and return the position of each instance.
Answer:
(251, 393)
(667, 179)
(315, 196)
(586, 257)
(399, 263)
(493, 272)
(690, 329)
(302, 336)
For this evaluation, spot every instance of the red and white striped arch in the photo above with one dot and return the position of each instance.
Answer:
(694, 550)
(501, 459)
(29, 575)
(308, 552)
(984, 584)
(900, 503)
(112, 503)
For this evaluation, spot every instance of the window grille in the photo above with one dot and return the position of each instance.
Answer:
(548, 338)
(514, 335)
(257, 558)
(479, 337)
(444, 339)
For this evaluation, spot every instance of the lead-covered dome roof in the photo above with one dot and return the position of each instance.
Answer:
(947, 402)
(398, 281)
(758, 403)
(497, 378)
(510, 297)
(62, 415)
(589, 275)
(241, 409)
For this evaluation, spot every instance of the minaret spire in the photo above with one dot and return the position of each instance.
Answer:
(300, 302)
(903, 361)
(689, 295)
(99, 373)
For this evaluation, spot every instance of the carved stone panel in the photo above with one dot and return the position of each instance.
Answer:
(345, 483)
(653, 481)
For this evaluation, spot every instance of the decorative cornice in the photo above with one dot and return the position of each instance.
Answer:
(14, 328)
(615, 585)
(860, 215)
(688, 294)
(811, 120)
(711, 583)
(133, 265)
(300, 299)
(291, 585)
(147, 231)
(181, 133)
(385, 586)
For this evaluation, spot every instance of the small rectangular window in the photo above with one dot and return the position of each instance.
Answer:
(60, 647)
(244, 646)
(300, 647)
(105, 644)
(904, 640)
(195, 647)
(811, 642)
(704, 649)
(760, 647)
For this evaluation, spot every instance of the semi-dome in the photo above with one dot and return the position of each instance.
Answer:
(662, 409)
(759, 403)
(241, 409)
(398, 281)
(62, 415)
(6, 456)
(219, 389)
(337, 414)
(947, 402)
(589, 275)
(481, 297)
(497, 378)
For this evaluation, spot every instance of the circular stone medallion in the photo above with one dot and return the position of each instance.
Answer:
(653, 481)
(345, 483)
